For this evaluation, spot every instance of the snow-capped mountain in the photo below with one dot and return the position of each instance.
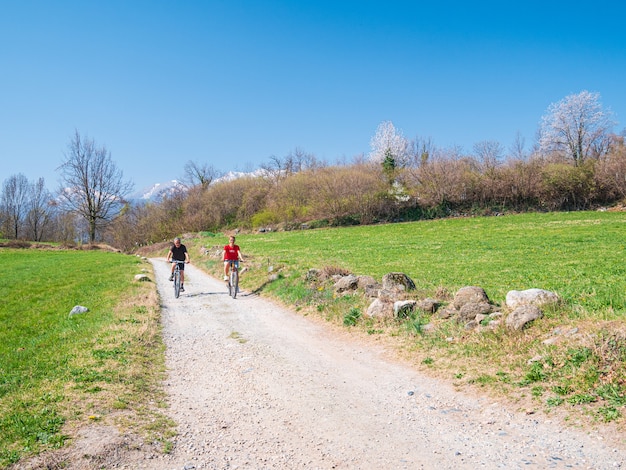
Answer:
(157, 191)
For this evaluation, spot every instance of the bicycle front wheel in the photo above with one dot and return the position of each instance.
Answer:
(176, 284)
(234, 283)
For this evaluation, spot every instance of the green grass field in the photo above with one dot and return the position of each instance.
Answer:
(579, 255)
(57, 371)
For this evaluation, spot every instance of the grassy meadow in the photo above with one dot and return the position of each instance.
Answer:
(579, 255)
(579, 347)
(58, 372)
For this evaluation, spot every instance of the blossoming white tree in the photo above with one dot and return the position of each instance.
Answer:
(576, 128)
(388, 142)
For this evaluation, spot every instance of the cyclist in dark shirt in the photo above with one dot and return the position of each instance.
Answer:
(178, 252)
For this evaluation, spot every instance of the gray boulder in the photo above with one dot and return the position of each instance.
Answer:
(469, 295)
(398, 281)
(470, 311)
(365, 282)
(346, 283)
(428, 305)
(379, 308)
(404, 308)
(78, 309)
(537, 297)
(522, 315)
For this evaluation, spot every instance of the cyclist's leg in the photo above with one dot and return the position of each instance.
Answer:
(182, 274)
(226, 269)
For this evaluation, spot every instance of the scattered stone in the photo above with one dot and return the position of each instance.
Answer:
(78, 309)
(469, 294)
(404, 308)
(346, 283)
(447, 312)
(537, 297)
(428, 305)
(379, 308)
(367, 282)
(523, 315)
(142, 278)
(312, 274)
(469, 311)
(398, 281)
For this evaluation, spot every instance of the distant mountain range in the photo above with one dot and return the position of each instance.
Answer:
(157, 191)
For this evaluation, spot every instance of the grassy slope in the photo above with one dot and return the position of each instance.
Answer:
(579, 255)
(58, 372)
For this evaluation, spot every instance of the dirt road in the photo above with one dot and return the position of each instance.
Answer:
(255, 386)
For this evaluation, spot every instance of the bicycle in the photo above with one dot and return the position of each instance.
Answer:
(177, 277)
(233, 279)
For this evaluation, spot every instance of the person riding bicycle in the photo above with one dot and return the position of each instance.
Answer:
(178, 252)
(231, 254)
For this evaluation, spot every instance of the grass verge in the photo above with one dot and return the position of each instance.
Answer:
(59, 372)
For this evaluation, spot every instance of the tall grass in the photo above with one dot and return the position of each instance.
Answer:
(56, 369)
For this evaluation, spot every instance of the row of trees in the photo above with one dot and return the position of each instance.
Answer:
(362, 192)
(577, 162)
(91, 195)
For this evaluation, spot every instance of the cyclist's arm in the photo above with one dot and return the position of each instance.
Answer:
(169, 256)
(186, 257)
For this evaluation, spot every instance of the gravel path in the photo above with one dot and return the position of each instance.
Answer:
(255, 386)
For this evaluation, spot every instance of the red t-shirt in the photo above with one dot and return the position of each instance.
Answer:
(231, 252)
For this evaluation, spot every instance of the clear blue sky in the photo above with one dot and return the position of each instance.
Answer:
(234, 82)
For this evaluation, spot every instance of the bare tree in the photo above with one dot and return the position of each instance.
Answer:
(40, 211)
(516, 150)
(299, 160)
(14, 203)
(201, 174)
(421, 151)
(93, 186)
(576, 128)
(489, 153)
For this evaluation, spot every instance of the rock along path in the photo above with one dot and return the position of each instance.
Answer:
(253, 385)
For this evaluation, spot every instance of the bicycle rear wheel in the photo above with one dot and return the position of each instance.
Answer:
(176, 283)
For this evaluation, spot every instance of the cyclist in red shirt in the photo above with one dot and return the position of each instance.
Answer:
(232, 253)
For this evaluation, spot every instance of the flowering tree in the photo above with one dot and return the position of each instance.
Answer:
(576, 128)
(389, 144)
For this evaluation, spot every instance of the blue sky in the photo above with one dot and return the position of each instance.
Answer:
(233, 83)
